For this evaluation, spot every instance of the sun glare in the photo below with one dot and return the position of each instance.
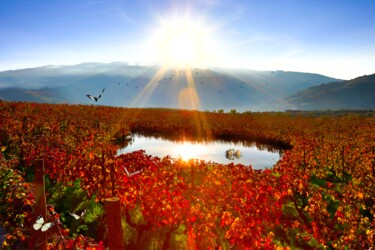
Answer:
(182, 43)
(188, 151)
(182, 48)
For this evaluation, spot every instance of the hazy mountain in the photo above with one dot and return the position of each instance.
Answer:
(151, 86)
(358, 93)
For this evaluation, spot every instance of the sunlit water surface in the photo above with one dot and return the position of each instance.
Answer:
(209, 151)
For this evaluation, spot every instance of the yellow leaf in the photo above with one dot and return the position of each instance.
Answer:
(360, 195)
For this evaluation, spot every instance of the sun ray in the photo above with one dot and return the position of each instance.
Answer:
(150, 87)
(188, 97)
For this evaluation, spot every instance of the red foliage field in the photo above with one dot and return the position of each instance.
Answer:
(320, 194)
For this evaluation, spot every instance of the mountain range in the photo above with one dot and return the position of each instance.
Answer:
(204, 89)
(358, 93)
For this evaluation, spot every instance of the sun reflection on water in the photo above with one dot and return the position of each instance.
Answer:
(188, 151)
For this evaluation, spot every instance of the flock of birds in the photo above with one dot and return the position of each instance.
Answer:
(231, 154)
(165, 80)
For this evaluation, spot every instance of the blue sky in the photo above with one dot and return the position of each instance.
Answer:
(330, 37)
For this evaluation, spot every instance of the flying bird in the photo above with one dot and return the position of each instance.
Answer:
(94, 97)
(133, 173)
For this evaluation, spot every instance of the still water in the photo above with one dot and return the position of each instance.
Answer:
(217, 151)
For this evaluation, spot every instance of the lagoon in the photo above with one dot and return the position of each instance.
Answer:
(257, 155)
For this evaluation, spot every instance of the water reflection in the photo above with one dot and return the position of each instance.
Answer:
(247, 153)
(259, 143)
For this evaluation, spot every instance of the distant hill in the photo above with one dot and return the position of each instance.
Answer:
(358, 93)
(149, 86)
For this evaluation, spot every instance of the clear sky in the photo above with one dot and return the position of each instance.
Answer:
(331, 37)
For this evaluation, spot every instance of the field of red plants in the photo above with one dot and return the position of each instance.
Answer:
(319, 195)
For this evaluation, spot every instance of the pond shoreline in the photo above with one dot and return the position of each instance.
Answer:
(257, 155)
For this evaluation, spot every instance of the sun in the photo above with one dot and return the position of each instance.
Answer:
(182, 48)
(182, 43)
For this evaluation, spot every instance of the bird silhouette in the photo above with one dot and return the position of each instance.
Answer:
(94, 97)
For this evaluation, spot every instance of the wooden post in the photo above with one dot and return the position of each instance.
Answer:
(113, 216)
(39, 237)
